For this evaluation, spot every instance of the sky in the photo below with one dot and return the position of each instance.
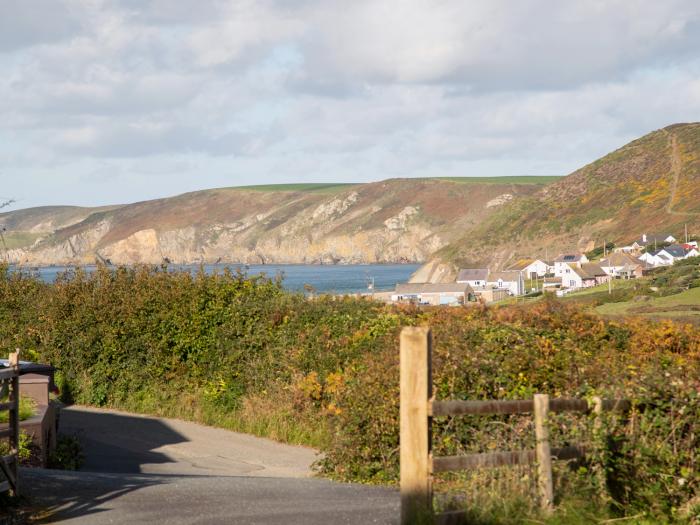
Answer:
(114, 101)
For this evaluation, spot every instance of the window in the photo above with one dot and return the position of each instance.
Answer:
(572, 284)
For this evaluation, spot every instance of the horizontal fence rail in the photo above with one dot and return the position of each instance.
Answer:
(500, 459)
(518, 406)
(417, 410)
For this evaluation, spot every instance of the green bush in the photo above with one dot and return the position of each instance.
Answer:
(68, 454)
(242, 353)
(25, 447)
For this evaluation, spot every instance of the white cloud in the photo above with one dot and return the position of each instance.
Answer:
(238, 92)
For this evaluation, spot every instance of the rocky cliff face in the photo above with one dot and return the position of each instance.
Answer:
(391, 221)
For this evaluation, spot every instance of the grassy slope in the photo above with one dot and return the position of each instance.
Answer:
(614, 198)
(684, 304)
(20, 239)
(307, 187)
(446, 208)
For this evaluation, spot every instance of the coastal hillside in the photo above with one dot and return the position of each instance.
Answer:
(649, 185)
(397, 220)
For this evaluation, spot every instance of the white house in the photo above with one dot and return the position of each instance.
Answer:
(668, 255)
(652, 240)
(531, 268)
(656, 258)
(622, 265)
(567, 261)
(433, 293)
(512, 281)
(678, 252)
(584, 276)
(473, 276)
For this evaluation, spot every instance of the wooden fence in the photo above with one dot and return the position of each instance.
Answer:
(418, 408)
(9, 384)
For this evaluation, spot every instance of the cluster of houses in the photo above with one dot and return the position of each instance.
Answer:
(568, 272)
(478, 284)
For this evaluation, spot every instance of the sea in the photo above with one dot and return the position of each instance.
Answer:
(337, 279)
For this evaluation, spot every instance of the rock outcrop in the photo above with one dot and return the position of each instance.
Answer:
(401, 220)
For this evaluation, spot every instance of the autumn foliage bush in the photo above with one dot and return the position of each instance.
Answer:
(241, 352)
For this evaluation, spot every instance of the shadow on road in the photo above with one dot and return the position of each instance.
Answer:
(112, 443)
(118, 443)
(143, 470)
(66, 495)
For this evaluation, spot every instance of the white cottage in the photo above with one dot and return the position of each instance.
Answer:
(531, 268)
(509, 280)
(566, 261)
(473, 276)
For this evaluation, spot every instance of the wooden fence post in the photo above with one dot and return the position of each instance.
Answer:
(544, 452)
(13, 361)
(415, 438)
(598, 438)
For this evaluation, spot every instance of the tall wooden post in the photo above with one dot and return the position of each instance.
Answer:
(415, 438)
(544, 452)
(596, 404)
(14, 421)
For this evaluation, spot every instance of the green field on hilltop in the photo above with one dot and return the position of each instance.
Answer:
(314, 187)
(330, 187)
(516, 179)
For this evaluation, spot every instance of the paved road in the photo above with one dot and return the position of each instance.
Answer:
(150, 470)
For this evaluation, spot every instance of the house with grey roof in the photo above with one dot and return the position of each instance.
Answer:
(622, 265)
(473, 276)
(435, 294)
(653, 239)
(668, 255)
(511, 280)
(566, 261)
(585, 276)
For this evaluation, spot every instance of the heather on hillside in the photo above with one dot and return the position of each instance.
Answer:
(650, 184)
(242, 353)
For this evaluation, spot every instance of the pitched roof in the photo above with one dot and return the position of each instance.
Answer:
(521, 264)
(568, 257)
(588, 271)
(619, 259)
(416, 288)
(473, 274)
(651, 237)
(512, 275)
(676, 250)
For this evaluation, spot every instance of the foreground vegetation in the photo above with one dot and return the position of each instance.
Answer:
(244, 354)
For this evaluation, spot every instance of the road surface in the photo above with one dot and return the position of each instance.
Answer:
(154, 470)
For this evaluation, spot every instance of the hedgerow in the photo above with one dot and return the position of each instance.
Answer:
(241, 352)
